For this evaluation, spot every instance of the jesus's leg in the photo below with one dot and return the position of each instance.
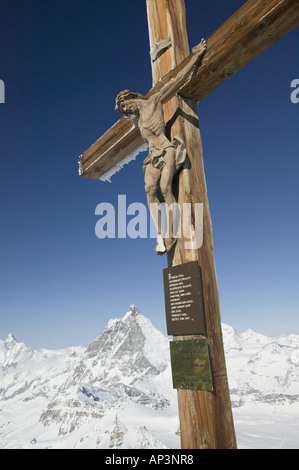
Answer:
(152, 176)
(167, 175)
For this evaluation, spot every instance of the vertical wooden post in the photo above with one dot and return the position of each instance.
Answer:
(206, 420)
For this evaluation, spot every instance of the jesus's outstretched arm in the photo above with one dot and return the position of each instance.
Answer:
(169, 89)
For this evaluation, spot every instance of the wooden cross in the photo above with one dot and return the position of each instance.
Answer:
(205, 417)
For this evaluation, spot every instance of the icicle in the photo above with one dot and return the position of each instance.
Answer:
(132, 156)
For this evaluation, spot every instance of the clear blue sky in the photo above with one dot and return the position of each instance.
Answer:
(63, 62)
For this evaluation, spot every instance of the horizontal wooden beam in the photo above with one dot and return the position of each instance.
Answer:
(252, 29)
(110, 149)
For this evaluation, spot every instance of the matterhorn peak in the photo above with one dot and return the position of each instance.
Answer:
(133, 313)
(118, 392)
(132, 342)
(10, 338)
(133, 310)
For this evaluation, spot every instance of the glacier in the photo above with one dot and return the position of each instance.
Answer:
(117, 393)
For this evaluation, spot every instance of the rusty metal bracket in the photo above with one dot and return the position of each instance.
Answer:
(160, 48)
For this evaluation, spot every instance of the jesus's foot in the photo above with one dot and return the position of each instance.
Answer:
(201, 48)
(169, 243)
(160, 245)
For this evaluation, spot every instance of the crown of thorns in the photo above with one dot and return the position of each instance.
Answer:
(125, 95)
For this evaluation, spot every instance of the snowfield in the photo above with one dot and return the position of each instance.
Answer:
(117, 393)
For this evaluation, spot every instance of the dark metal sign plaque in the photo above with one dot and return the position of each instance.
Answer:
(184, 299)
(190, 365)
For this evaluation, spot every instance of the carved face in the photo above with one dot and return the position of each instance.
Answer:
(129, 108)
(126, 104)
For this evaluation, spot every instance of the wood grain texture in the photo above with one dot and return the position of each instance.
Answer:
(252, 29)
(205, 418)
(212, 426)
(172, 26)
(110, 149)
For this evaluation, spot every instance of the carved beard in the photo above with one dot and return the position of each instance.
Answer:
(130, 110)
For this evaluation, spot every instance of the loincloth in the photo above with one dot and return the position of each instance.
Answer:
(156, 155)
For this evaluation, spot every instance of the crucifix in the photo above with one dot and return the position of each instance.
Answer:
(180, 80)
(165, 157)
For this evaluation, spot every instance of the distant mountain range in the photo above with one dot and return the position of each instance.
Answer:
(117, 393)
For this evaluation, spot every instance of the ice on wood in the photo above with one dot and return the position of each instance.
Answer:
(2, 91)
(132, 156)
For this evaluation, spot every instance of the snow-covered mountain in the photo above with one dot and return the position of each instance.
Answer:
(117, 393)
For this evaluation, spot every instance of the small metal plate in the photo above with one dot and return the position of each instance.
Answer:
(190, 365)
(184, 303)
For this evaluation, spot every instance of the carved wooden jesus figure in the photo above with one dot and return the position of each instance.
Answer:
(165, 156)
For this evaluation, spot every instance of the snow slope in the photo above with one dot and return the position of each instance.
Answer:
(117, 393)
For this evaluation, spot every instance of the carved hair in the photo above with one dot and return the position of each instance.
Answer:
(126, 95)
